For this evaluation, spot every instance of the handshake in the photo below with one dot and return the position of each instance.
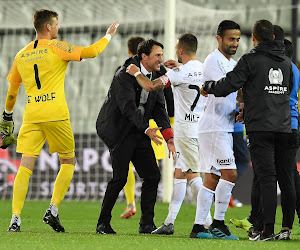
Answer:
(7, 130)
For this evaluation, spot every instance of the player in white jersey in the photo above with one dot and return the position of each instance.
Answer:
(215, 137)
(186, 80)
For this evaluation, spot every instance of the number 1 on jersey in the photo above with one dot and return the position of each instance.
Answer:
(36, 75)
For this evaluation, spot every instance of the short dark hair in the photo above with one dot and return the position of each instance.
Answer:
(278, 32)
(146, 47)
(133, 43)
(188, 42)
(42, 17)
(289, 48)
(227, 25)
(263, 30)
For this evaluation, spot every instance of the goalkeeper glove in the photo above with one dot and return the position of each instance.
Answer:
(8, 140)
(7, 130)
(7, 124)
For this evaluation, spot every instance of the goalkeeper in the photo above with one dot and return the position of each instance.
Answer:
(159, 150)
(41, 66)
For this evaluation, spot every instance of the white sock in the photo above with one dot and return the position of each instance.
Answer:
(223, 194)
(208, 220)
(54, 210)
(179, 190)
(195, 185)
(204, 201)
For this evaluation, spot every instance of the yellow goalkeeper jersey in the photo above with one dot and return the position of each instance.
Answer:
(41, 66)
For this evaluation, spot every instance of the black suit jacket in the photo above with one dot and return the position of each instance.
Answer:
(120, 116)
(168, 93)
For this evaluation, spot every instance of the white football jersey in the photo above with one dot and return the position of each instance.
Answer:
(187, 80)
(218, 113)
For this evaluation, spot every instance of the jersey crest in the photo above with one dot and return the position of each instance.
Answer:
(176, 69)
(275, 76)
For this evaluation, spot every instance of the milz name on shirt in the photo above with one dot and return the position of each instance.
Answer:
(191, 118)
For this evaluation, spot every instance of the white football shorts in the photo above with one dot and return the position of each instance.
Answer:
(216, 152)
(187, 154)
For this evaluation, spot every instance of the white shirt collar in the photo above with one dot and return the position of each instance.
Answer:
(144, 71)
(221, 55)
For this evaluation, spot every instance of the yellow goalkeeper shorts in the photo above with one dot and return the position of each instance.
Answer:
(59, 135)
(159, 151)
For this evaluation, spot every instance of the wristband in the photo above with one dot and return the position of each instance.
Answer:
(108, 37)
(8, 112)
(167, 134)
(7, 117)
(137, 73)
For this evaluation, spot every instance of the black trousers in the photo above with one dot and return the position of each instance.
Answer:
(273, 157)
(297, 186)
(136, 147)
(296, 173)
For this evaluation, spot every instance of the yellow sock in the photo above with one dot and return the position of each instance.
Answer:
(20, 190)
(129, 187)
(62, 183)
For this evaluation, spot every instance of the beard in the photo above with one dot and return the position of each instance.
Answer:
(228, 51)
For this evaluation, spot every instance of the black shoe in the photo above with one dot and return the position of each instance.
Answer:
(14, 228)
(221, 231)
(105, 228)
(147, 229)
(200, 232)
(15, 224)
(283, 235)
(164, 229)
(53, 221)
(263, 237)
(196, 230)
(253, 233)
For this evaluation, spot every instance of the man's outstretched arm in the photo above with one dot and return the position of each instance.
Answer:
(233, 81)
(145, 83)
(96, 48)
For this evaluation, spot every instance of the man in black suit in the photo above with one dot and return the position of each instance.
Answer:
(123, 125)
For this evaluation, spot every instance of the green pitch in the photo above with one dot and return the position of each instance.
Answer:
(80, 218)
